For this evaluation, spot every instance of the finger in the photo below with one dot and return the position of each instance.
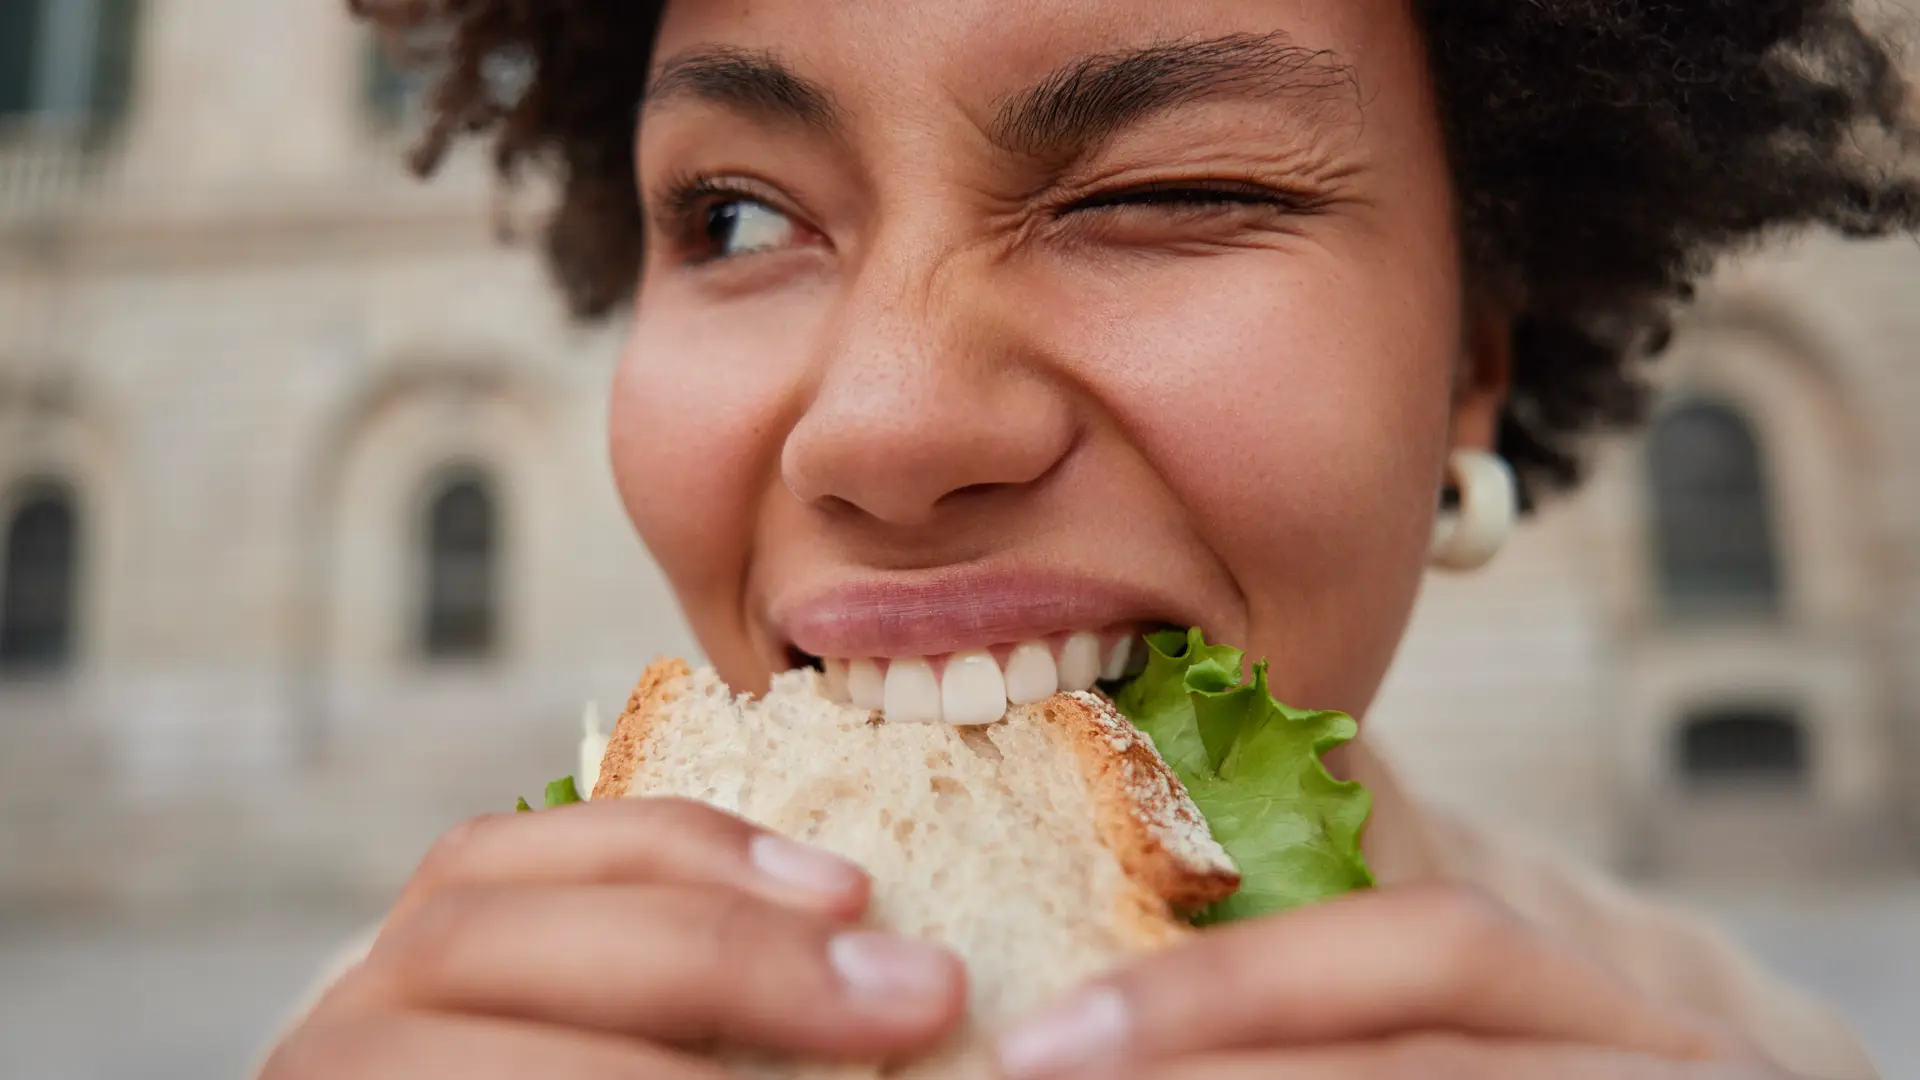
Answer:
(402, 1045)
(1370, 966)
(668, 963)
(1422, 1058)
(638, 841)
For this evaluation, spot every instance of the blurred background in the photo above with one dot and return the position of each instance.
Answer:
(308, 550)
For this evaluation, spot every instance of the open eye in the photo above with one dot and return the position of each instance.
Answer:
(742, 226)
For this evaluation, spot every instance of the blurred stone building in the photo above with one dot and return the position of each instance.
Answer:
(308, 546)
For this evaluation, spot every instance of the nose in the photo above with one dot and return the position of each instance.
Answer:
(925, 396)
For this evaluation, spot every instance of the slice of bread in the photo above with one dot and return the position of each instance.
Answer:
(1044, 849)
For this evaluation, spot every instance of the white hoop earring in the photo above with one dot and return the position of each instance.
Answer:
(1489, 508)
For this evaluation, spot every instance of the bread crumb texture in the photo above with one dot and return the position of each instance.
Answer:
(1045, 849)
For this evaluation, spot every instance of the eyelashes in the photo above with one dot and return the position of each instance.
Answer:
(1189, 195)
(708, 219)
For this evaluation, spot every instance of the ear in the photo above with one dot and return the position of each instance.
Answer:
(1484, 377)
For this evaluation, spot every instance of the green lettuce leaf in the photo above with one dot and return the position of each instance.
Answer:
(561, 792)
(1253, 766)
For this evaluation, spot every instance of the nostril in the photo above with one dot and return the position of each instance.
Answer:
(834, 507)
(974, 491)
(977, 492)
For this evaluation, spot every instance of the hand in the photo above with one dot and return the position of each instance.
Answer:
(1419, 982)
(610, 939)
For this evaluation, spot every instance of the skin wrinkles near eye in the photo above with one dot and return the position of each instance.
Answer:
(1182, 171)
(1203, 153)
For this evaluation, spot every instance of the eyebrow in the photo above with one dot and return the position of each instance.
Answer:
(753, 82)
(1090, 101)
(1063, 115)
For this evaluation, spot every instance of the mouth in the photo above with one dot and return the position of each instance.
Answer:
(962, 647)
(977, 686)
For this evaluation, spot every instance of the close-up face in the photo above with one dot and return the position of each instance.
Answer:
(974, 324)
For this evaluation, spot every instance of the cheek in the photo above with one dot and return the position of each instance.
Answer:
(695, 427)
(1297, 408)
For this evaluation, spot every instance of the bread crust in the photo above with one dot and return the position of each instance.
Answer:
(1144, 814)
(658, 685)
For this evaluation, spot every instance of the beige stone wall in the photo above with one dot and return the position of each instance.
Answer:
(251, 342)
(1560, 658)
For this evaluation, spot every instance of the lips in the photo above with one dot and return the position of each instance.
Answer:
(960, 646)
(976, 686)
(937, 613)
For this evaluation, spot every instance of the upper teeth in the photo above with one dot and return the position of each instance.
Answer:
(975, 687)
(972, 690)
(1031, 673)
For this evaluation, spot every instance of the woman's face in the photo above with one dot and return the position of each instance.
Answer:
(975, 323)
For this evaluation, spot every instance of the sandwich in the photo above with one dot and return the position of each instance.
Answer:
(1045, 848)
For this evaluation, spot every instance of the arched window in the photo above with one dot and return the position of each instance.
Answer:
(1713, 519)
(67, 59)
(42, 564)
(1744, 746)
(461, 616)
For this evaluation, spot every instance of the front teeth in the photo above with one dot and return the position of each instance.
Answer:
(972, 690)
(833, 680)
(912, 694)
(974, 687)
(866, 686)
(1080, 662)
(1032, 676)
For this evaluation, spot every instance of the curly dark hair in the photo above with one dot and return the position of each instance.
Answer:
(1607, 153)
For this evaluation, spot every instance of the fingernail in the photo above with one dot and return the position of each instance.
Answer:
(798, 866)
(1079, 1033)
(890, 968)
